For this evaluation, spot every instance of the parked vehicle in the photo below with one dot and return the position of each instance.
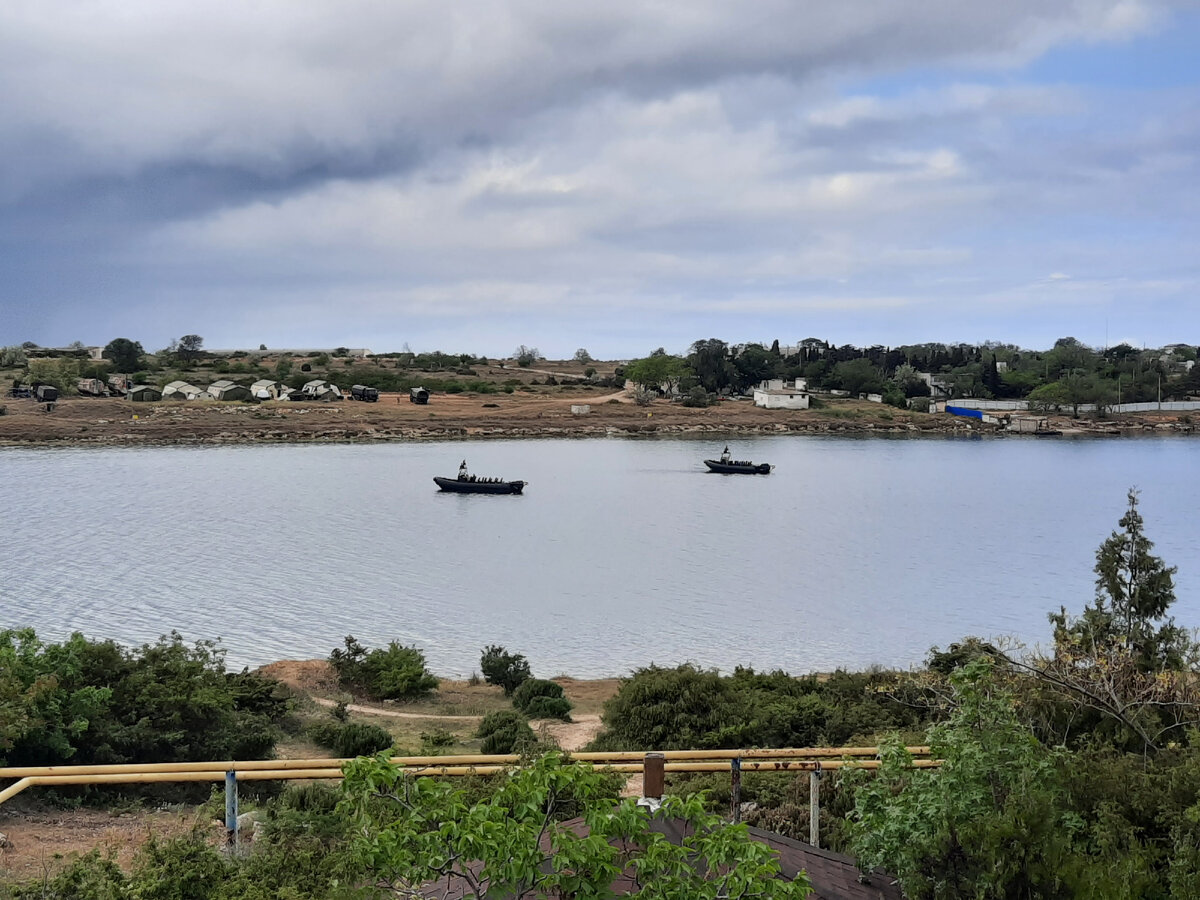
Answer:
(45, 393)
(362, 392)
(418, 395)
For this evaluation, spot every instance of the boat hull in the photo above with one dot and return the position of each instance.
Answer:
(737, 468)
(454, 486)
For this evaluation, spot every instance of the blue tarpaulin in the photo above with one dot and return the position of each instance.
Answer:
(963, 411)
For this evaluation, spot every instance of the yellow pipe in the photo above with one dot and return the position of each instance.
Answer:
(464, 759)
(460, 770)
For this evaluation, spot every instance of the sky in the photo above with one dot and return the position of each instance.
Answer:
(615, 176)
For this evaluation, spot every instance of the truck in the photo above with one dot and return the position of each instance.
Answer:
(362, 392)
(418, 395)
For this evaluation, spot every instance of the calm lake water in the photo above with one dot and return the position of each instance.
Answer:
(621, 553)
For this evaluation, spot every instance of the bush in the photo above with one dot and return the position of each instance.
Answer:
(96, 702)
(499, 667)
(697, 397)
(505, 731)
(535, 687)
(397, 673)
(354, 739)
(549, 708)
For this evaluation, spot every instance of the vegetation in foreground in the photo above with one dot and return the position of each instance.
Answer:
(1069, 774)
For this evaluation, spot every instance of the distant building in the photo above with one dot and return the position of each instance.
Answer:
(228, 390)
(143, 393)
(774, 394)
(265, 389)
(321, 390)
(181, 390)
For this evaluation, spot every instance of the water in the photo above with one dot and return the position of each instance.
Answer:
(622, 552)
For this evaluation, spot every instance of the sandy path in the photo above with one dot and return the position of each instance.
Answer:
(392, 713)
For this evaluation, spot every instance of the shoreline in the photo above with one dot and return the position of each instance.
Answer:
(86, 422)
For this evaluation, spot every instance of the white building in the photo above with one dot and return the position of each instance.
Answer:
(774, 394)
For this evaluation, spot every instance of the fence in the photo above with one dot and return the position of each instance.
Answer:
(1151, 406)
(651, 765)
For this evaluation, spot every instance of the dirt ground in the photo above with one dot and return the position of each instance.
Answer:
(44, 840)
(80, 420)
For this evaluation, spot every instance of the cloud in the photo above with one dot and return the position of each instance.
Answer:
(484, 160)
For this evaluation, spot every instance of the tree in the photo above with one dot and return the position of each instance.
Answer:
(189, 347)
(754, 364)
(126, 355)
(499, 667)
(12, 357)
(710, 361)
(656, 373)
(860, 376)
(1134, 590)
(514, 843)
(526, 356)
(992, 822)
(582, 356)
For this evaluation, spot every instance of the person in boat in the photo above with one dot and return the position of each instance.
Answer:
(463, 475)
(726, 457)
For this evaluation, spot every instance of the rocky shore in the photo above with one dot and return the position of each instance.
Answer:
(112, 422)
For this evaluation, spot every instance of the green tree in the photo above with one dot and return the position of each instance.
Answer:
(394, 673)
(860, 376)
(499, 667)
(582, 356)
(12, 357)
(990, 824)
(654, 373)
(190, 347)
(512, 844)
(126, 355)
(712, 365)
(1134, 590)
(526, 356)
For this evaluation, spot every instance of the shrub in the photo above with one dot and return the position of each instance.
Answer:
(454, 388)
(98, 702)
(668, 709)
(397, 673)
(499, 667)
(697, 397)
(549, 708)
(354, 739)
(505, 731)
(535, 687)
(438, 739)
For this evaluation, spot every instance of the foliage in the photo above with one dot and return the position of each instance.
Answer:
(668, 709)
(656, 373)
(582, 356)
(395, 673)
(12, 357)
(1123, 671)
(505, 731)
(990, 823)
(499, 667)
(513, 845)
(548, 708)
(126, 355)
(98, 702)
(351, 739)
(526, 356)
(685, 707)
(61, 373)
(189, 347)
(1134, 590)
(710, 361)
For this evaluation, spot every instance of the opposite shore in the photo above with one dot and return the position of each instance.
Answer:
(115, 422)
